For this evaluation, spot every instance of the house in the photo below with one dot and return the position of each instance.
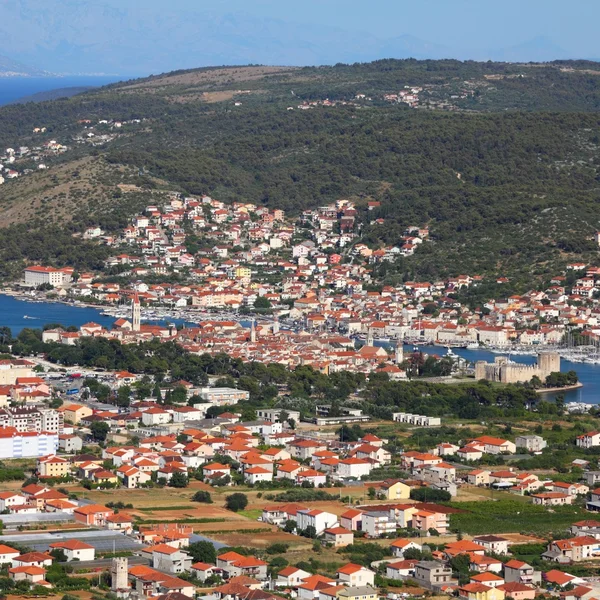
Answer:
(352, 519)
(520, 572)
(361, 592)
(75, 550)
(492, 543)
(7, 554)
(338, 537)
(279, 514)
(424, 520)
(518, 591)
(392, 489)
(33, 559)
(493, 445)
(120, 522)
(234, 564)
(257, 474)
(588, 440)
(488, 578)
(10, 499)
(318, 519)
(353, 468)
(482, 564)
(202, 571)
(131, 477)
(552, 499)
(531, 443)
(290, 577)
(463, 547)
(431, 574)
(375, 524)
(399, 547)
(73, 413)
(150, 582)
(355, 575)
(92, 514)
(478, 591)
(573, 550)
(52, 466)
(309, 588)
(69, 442)
(34, 575)
(216, 470)
(169, 559)
(400, 569)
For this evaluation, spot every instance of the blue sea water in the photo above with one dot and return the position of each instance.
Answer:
(18, 314)
(13, 88)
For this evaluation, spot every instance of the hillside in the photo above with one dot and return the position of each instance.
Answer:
(501, 160)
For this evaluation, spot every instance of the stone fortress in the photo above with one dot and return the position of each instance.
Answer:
(505, 371)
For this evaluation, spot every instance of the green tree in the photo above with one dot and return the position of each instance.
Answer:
(178, 480)
(236, 502)
(99, 430)
(202, 552)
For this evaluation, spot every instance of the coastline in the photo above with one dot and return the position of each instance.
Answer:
(557, 390)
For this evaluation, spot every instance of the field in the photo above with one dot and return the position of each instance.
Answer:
(481, 511)
(514, 514)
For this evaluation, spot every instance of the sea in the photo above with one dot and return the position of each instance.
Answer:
(13, 88)
(18, 314)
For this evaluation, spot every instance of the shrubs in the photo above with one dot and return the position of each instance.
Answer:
(278, 548)
(303, 495)
(425, 494)
(202, 496)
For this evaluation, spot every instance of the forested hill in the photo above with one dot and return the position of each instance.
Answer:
(501, 160)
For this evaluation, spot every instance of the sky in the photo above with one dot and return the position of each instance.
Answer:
(572, 24)
(143, 36)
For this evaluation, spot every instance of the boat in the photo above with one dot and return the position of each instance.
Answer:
(28, 317)
(472, 346)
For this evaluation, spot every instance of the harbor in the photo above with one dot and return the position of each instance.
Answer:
(19, 314)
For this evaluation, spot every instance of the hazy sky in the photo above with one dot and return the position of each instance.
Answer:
(571, 24)
(143, 36)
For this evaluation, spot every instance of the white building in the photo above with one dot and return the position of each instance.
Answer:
(75, 550)
(377, 524)
(224, 395)
(531, 443)
(353, 467)
(14, 444)
(318, 519)
(38, 275)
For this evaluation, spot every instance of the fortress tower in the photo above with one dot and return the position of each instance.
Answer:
(118, 574)
(548, 362)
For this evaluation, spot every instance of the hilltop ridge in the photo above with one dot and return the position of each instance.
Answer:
(500, 159)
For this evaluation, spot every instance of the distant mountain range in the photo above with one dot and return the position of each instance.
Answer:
(12, 68)
(76, 37)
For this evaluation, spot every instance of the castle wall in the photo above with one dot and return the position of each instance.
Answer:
(504, 372)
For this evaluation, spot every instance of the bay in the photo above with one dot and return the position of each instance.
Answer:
(14, 88)
(18, 314)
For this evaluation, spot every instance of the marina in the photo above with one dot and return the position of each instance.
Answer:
(18, 314)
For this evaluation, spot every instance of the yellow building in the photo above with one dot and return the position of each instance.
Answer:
(52, 466)
(73, 413)
(478, 591)
(243, 273)
(393, 490)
